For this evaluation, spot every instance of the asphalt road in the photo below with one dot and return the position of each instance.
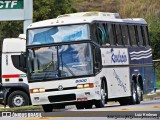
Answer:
(109, 112)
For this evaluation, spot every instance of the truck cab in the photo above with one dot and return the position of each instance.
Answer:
(14, 90)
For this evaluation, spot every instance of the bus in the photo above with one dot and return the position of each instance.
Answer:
(87, 59)
(14, 90)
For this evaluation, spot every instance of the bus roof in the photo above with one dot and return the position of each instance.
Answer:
(85, 17)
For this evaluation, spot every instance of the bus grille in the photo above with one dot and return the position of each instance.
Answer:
(59, 98)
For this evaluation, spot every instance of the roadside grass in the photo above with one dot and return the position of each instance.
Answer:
(23, 108)
(151, 96)
(158, 83)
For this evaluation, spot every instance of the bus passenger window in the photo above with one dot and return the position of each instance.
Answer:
(102, 33)
(94, 33)
(110, 33)
(106, 42)
(97, 34)
(125, 36)
(145, 34)
(140, 38)
(132, 35)
(118, 34)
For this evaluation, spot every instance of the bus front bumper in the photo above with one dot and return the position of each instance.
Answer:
(67, 97)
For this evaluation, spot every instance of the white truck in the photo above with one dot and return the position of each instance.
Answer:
(14, 90)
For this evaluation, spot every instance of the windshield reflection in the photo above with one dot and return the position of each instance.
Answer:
(58, 34)
(60, 61)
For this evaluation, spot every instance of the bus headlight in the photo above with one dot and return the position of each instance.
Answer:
(37, 90)
(87, 85)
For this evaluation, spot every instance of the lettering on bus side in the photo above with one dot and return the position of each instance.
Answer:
(81, 80)
(120, 82)
(118, 58)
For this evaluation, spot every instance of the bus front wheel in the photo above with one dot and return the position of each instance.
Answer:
(47, 108)
(80, 106)
(103, 91)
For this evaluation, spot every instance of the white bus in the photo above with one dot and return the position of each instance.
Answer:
(14, 90)
(87, 59)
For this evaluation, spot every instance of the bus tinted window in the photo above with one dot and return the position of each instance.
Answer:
(125, 36)
(118, 34)
(95, 34)
(140, 38)
(145, 31)
(132, 35)
(106, 35)
(110, 32)
(103, 33)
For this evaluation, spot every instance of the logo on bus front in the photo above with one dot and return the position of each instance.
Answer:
(81, 80)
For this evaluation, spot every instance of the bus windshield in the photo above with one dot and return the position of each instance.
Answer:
(58, 34)
(60, 61)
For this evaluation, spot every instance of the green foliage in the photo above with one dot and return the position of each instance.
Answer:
(48, 9)
(158, 84)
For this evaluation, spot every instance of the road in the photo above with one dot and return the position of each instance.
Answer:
(151, 108)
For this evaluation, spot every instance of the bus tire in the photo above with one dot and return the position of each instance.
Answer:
(103, 91)
(124, 101)
(80, 106)
(88, 105)
(139, 94)
(17, 99)
(47, 108)
(133, 97)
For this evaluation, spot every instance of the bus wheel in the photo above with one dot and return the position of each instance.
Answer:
(17, 99)
(47, 108)
(88, 105)
(80, 106)
(139, 94)
(133, 98)
(101, 103)
(124, 101)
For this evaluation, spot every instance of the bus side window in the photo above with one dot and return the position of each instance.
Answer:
(110, 33)
(94, 33)
(107, 41)
(118, 34)
(145, 35)
(101, 33)
(132, 35)
(97, 58)
(140, 38)
(125, 35)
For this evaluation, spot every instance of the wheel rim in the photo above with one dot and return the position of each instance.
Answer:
(102, 96)
(103, 93)
(139, 91)
(134, 94)
(18, 100)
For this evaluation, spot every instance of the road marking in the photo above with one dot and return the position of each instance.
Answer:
(139, 108)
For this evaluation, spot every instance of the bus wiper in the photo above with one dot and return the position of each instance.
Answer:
(42, 70)
(66, 66)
